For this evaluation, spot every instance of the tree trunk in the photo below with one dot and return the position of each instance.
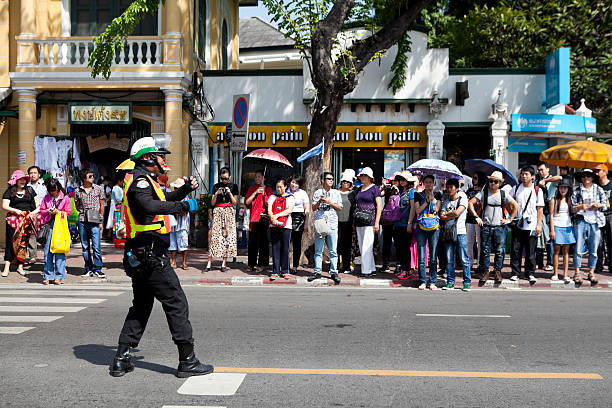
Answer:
(322, 127)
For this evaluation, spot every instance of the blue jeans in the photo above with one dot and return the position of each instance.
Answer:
(590, 233)
(91, 232)
(422, 238)
(332, 241)
(51, 260)
(498, 235)
(450, 248)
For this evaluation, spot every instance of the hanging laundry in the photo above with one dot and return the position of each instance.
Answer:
(39, 152)
(76, 153)
(63, 148)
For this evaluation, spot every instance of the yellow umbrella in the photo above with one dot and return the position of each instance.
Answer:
(126, 165)
(578, 155)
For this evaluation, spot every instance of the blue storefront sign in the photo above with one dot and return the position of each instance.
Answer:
(524, 122)
(558, 78)
(524, 145)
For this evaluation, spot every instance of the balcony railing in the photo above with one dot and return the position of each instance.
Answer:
(75, 51)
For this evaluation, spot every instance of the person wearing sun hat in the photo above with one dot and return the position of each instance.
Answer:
(401, 236)
(17, 201)
(368, 208)
(492, 223)
(605, 243)
(345, 221)
(589, 202)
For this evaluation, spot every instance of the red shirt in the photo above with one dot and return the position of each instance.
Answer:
(259, 203)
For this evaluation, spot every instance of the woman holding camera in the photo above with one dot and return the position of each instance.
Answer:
(223, 236)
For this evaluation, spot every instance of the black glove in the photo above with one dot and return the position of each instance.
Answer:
(185, 206)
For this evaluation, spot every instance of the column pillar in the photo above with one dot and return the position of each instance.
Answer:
(199, 148)
(435, 139)
(499, 131)
(173, 120)
(22, 155)
(172, 17)
(27, 50)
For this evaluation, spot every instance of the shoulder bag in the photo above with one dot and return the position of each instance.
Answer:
(362, 218)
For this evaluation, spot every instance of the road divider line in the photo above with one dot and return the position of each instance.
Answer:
(41, 309)
(458, 315)
(191, 406)
(14, 330)
(49, 300)
(29, 319)
(404, 373)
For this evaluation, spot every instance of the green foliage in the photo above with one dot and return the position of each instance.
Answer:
(511, 33)
(114, 37)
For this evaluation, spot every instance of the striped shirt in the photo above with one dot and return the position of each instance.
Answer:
(88, 201)
(593, 195)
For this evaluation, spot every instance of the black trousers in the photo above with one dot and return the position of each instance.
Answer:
(296, 242)
(345, 244)
(157, 281)
(280, 237)
(605, 246)
(259, 245)
(402, 239)
(522, 240)
(387, 232)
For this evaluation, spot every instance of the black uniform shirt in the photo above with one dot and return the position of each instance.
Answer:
(146, 205)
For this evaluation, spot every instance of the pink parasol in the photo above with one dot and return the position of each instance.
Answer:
(268, 157)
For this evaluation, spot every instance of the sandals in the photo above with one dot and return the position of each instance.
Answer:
(554, 277)
(567, 279)
(58, 282)
(593, 279)
(45, 282)
(578, 279)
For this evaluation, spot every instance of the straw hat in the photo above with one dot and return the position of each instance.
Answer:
(406, 175)
(496, 175)
(178, 183)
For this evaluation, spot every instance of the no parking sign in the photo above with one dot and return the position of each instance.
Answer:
(240, 123)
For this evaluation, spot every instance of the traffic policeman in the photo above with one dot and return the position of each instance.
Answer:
(147, 212)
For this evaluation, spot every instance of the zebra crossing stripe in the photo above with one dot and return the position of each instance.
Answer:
(41, 309)
(212, 384)
(29, 319)
(69, 292)
(48, 300)
(14, 330)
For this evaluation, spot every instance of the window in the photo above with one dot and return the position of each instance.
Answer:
(91, 17)
(224, 45)
(199, 28)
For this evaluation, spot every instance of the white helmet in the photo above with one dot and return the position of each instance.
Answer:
(145, 145)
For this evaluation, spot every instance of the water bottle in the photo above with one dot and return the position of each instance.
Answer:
(132, 260)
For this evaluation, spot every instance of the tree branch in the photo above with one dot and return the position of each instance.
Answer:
(391, 33)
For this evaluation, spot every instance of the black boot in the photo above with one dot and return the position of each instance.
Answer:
(123, 361)
(191, 366)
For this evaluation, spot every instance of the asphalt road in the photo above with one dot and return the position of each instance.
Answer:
(64, 363)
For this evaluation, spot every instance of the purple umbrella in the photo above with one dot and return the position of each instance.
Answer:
(438, 168)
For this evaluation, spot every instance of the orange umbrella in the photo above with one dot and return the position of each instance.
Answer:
(578, 155)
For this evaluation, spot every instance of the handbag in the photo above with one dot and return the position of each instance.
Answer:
(43, 233)
(322, 227)
(60, 238)
(297, 221)
(428, 220)
(448, 233)
(362, 218)
(93, 216)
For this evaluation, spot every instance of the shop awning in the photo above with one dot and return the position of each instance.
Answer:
(559, 135)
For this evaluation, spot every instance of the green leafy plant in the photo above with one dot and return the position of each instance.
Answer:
(204, 204)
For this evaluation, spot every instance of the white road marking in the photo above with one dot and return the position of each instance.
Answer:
(31, 319)
(48, 300)
(191, 406)
(77, 286)
(59, 292)
(41, 309)
(14, 330)
(212, 384)
(457, 315)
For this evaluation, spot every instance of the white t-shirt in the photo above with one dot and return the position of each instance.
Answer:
(450, 205)
(301, 198)
(290, 202)
(530, 212)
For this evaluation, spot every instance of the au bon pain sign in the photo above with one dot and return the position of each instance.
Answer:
(346, 136)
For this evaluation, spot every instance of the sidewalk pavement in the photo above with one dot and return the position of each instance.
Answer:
(239, 274)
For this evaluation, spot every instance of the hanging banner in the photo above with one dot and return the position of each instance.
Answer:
(111, 142)
(391, 136)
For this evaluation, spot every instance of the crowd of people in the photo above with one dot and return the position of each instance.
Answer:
(436, 226)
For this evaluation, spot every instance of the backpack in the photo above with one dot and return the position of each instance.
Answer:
(428, 221)
(392, 211)
(485, 198)
(279, 205)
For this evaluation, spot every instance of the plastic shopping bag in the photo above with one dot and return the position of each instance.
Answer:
(60, 240)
